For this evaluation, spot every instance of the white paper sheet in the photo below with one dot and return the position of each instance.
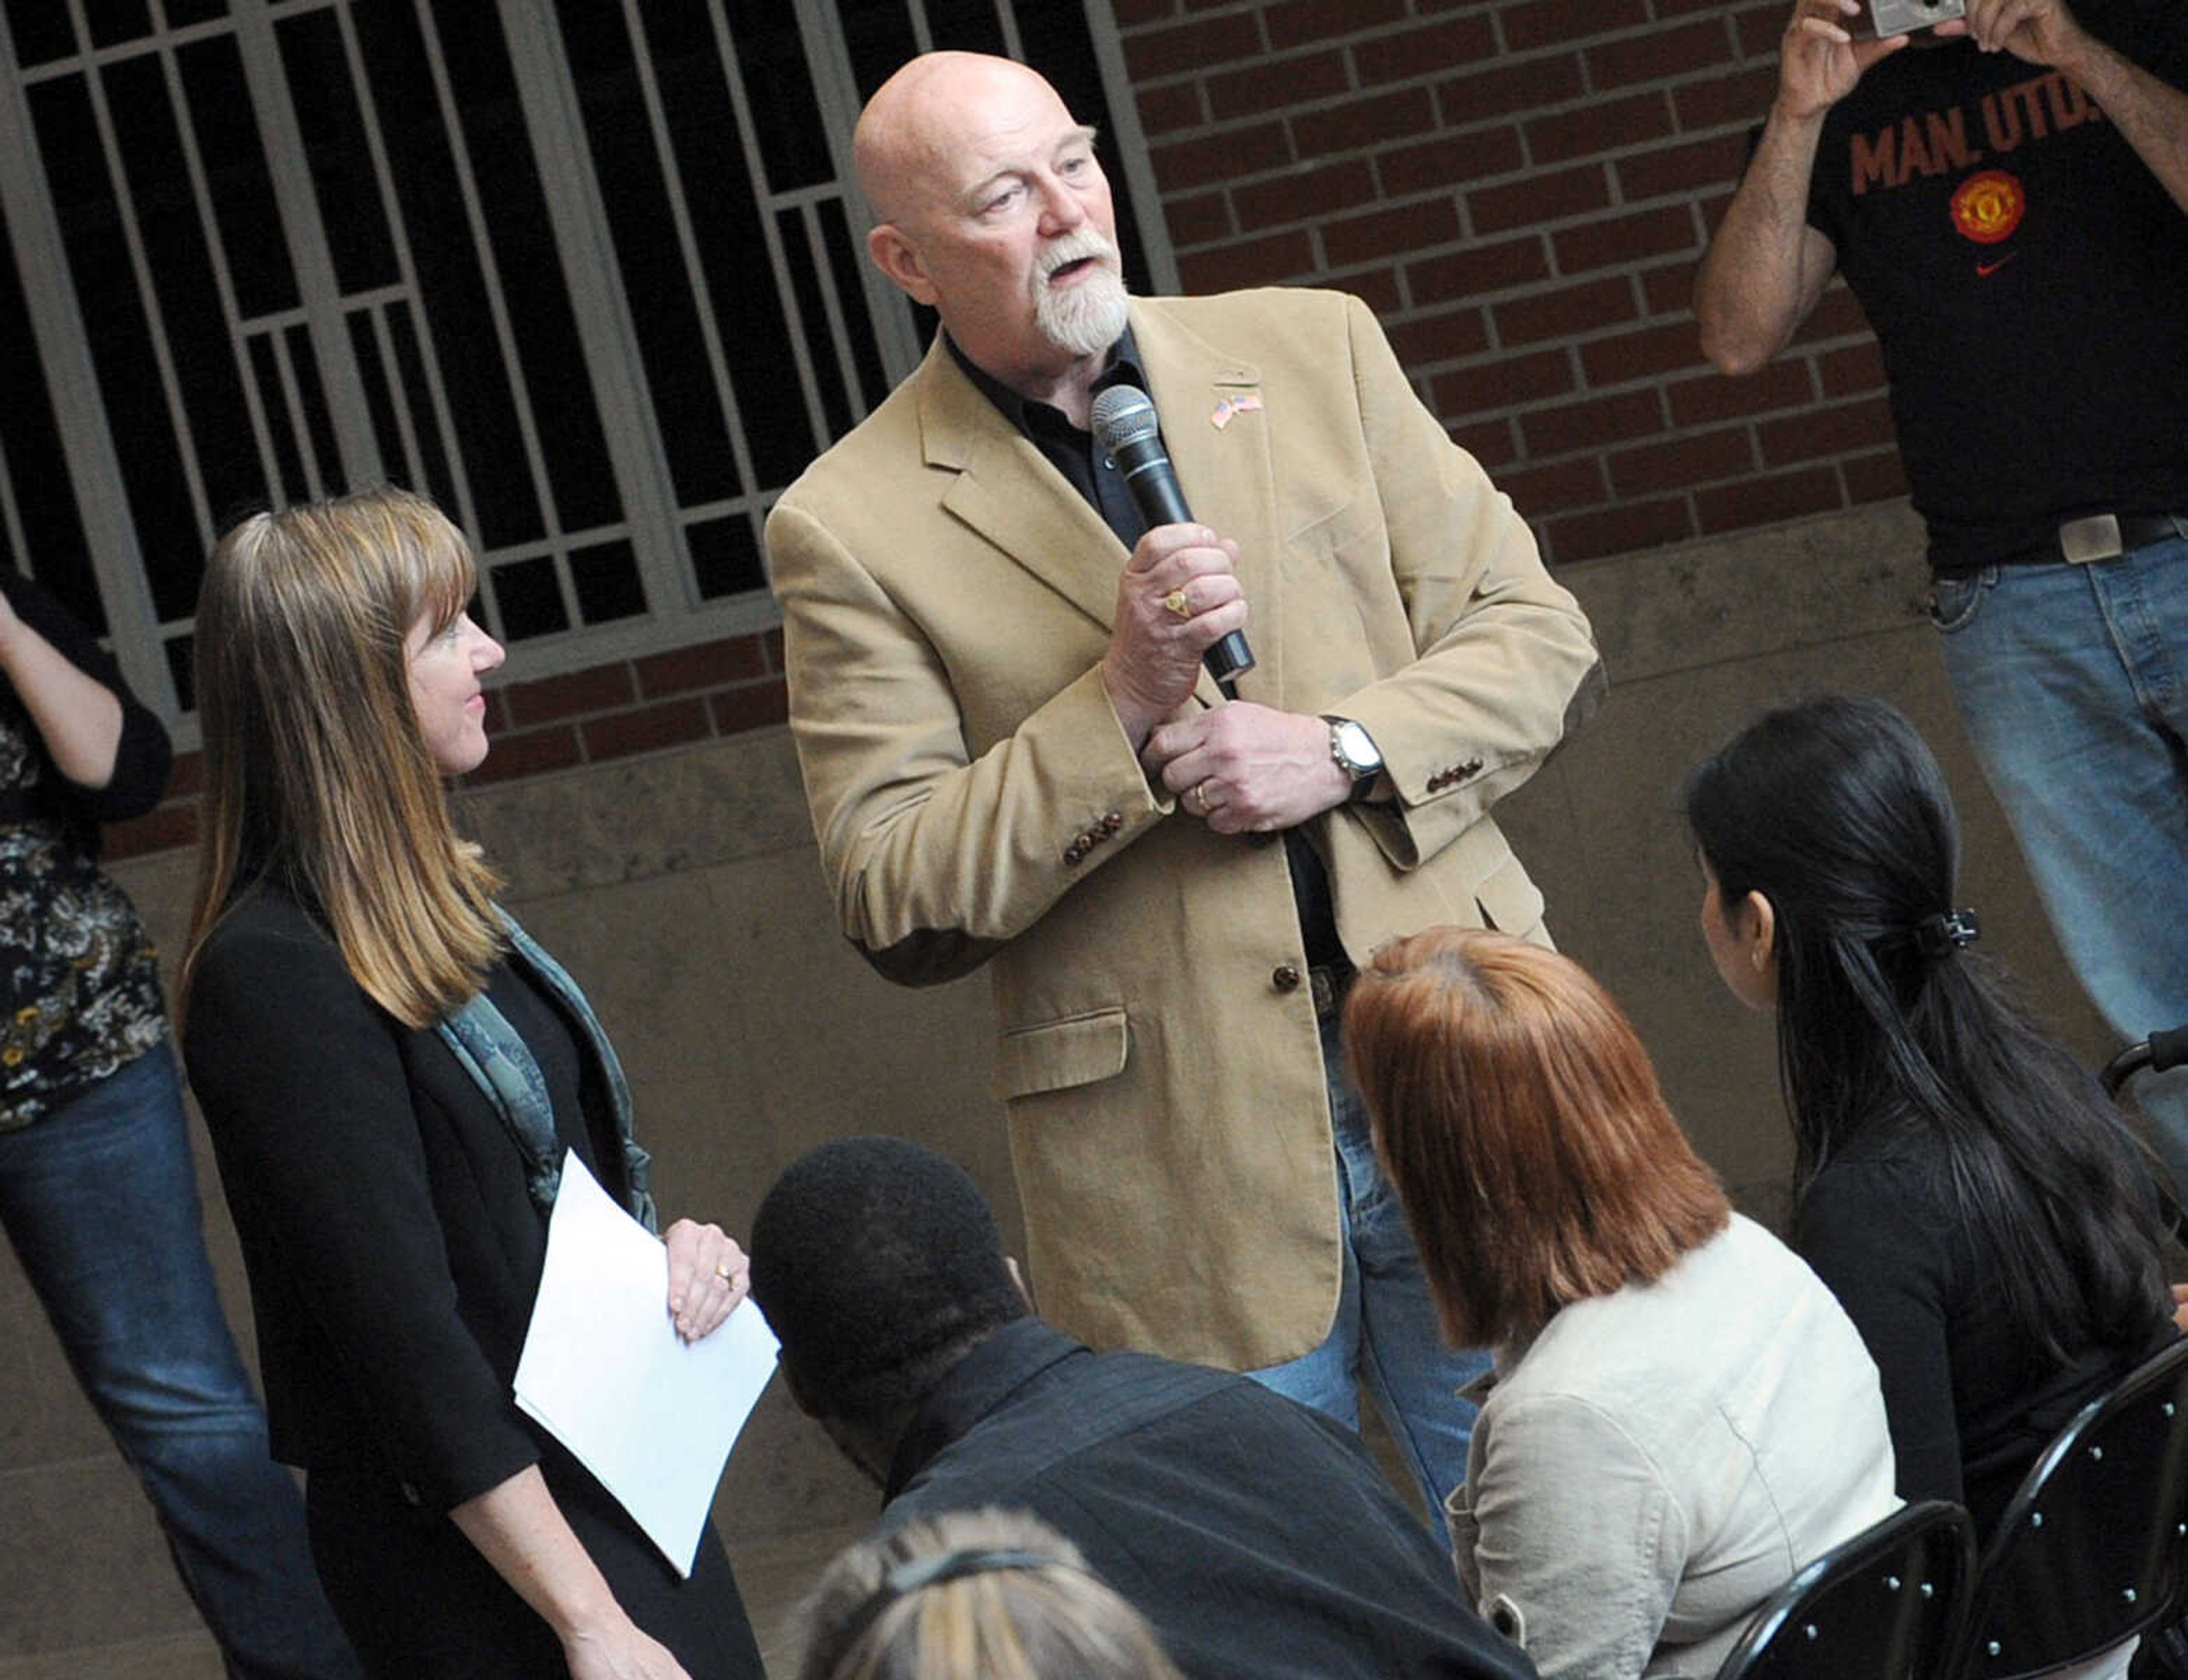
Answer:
(603, 1368)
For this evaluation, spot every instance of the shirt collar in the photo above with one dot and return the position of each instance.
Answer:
(1123, 368)
(975, 1386)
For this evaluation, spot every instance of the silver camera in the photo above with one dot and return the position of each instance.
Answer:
(1902, 17)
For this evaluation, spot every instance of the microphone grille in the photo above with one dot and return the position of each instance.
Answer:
(1124, 415)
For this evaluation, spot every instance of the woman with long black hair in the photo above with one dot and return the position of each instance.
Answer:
(1960, 1182)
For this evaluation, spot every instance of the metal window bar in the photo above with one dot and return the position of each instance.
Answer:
(223, 282)
(687, 244)
(11, 516)
(767, 202)
(57, 324)
(498, 307)
(374, 309)
(464, 513)
(298, 207)
(825, 341)
(126, 218)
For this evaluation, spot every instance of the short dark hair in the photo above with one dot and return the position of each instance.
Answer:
(878, 1264)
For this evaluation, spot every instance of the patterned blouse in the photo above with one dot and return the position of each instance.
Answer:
(79, 978)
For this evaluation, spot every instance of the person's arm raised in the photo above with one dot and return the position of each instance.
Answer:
(1766, 266)
(2150, 115)
(77, 716)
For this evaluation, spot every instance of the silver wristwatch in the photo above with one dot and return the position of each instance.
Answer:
(1354, 752)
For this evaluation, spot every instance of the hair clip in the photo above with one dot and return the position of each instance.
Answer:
(1947, 931)
(912, 1575)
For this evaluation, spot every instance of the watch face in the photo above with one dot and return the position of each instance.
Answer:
(1356, 751)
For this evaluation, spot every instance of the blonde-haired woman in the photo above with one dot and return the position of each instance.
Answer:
(973, 1595)
(1680, 1415)
(391, 1072)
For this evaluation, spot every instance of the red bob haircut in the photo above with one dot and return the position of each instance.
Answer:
(1514, 1107)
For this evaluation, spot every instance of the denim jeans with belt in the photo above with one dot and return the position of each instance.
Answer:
(100, 1201)
(1385, 1334)
(2073, 680)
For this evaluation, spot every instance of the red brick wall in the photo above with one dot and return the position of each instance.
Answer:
(1521, 189)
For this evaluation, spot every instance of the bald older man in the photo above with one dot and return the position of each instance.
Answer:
(1014, 756)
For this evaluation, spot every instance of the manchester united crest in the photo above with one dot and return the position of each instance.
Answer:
(1989, 206)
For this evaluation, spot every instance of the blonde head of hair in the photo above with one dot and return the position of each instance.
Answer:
(317, 773)
(973, 1595)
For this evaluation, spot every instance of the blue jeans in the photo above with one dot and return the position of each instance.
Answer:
(101, 1204)
(1386, 1332)
(2072, 681)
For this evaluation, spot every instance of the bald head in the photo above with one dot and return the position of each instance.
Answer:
(990, 207)
(922, 122)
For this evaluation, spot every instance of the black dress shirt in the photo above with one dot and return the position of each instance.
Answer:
(1259, 1537)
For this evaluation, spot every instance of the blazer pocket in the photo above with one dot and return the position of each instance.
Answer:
(1510, 903)
(1055, 1055)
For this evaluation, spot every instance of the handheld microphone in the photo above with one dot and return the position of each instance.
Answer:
(1131, 435)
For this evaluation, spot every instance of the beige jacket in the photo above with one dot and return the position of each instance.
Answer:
(946, 600)
(1658, 1462)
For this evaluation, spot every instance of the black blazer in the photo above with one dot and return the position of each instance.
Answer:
(392, 1247)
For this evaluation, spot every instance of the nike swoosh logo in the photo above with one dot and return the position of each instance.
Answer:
(1985, 270)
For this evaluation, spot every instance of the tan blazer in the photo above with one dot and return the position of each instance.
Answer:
(947, 600)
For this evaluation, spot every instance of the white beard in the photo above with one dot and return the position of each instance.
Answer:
(1086, 318)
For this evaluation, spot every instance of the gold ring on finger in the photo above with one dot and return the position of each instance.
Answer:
(1177, 603)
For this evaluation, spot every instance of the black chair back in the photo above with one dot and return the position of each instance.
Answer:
(1886, 1604)
(2094, 1546)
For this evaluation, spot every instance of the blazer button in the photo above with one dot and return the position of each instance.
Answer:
(1112, 823)
(1286, 976)
(1073, 853)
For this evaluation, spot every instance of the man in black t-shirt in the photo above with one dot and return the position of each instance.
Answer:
(2009, 201)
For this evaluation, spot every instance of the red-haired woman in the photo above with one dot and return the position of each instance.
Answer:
(1680, 1415)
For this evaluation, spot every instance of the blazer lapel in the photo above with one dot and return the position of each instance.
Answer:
(1220, 450)
(1005, 490)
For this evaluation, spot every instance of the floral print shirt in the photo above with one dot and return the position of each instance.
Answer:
(79, 978)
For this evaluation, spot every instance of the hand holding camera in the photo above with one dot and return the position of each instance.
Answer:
(1821, 58)
(1888, 18)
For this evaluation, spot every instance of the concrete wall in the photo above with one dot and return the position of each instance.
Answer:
(682, 890)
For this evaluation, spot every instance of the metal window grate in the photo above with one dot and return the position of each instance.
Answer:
(589, 272)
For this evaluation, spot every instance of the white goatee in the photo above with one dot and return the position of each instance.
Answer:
(1086, 318)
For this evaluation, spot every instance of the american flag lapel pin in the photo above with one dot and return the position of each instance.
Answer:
(1246, 403)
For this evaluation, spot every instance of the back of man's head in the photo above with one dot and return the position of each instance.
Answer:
(879, 1266)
